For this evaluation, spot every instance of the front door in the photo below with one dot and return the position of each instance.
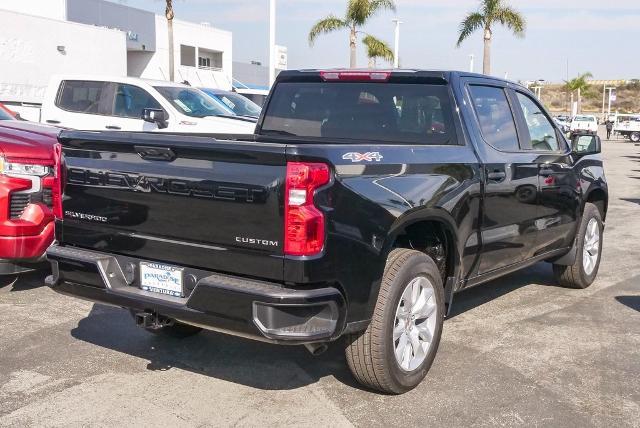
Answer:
(559, 196)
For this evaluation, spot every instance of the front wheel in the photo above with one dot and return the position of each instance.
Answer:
(395, 352)
(635, 137)
(584, 269)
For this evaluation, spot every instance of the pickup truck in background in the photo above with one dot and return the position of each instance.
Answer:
(132, 104)
(27, 159)
(363, 203)
(582, 124)
(628, 126)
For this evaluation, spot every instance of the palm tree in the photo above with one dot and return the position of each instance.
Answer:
(377, 49)
(579, 84)
(168, 12)
(490, 13)
(358, 13)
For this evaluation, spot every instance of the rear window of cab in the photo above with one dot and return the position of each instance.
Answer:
(373, 112)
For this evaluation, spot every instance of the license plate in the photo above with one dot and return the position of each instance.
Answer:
(162, 279)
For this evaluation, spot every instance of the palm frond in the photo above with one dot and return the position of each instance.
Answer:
(471, 23)
(326, 25)
(377, 48)
(359, 11)
(511, 19)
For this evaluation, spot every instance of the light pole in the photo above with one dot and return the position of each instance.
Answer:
(272, 41)
(610, 89)
(396, 50)
(471, 57)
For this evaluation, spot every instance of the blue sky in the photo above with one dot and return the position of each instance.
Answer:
(592, 35)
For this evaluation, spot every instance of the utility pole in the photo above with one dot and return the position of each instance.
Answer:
(272, 41)
(609, 109)
(471, 58)
(396, 50)
(604, 94)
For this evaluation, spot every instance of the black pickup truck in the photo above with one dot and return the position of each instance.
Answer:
(362, 204)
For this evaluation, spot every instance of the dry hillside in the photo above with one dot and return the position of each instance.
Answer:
(556, 99)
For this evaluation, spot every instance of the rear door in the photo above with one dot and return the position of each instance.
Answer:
(186, 201)
(81, 104)
(509, 213)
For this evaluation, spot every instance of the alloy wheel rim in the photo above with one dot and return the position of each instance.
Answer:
(415, 323)
(591, 249)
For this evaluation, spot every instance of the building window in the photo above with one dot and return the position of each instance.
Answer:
(204, 62)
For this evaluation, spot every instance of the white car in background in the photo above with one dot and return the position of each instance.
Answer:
(584, 124)
(132, 104)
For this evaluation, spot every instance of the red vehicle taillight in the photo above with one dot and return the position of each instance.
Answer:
(56, 190)
(304, 223)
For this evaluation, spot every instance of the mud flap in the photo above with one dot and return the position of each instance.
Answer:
(449, 289)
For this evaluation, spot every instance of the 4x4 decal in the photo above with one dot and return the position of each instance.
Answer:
(359, 157)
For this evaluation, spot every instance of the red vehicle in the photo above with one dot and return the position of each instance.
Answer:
(27, 180)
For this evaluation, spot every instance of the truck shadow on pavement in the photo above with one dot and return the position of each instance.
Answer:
(252, 363)
(23, 282)
(632, 302)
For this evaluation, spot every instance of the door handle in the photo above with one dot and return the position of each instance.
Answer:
(112, 127)
(53, 121)
(496, 175)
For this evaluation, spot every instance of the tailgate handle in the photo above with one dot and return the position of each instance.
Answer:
(155, 153)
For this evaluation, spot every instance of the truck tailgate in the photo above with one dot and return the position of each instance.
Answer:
(183, 200)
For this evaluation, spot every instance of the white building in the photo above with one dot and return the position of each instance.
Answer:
(39, 38)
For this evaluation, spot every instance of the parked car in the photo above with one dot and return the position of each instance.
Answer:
(258, 96)
(236, 103)
(343, 217)
(132, 104)
(27, 179)
(584, 123)
(564, 126)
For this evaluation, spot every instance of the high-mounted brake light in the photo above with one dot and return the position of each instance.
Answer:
(56, 188)
(356, 76)
(304, 222)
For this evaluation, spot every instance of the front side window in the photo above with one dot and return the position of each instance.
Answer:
(541, 132)
(131, 100)
(191, 102)
(85, 97)
(495, 117)
(376, 112)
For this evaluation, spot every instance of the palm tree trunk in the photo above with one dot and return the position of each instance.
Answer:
(486, 60)
(579, 101)
(352, 47)
(169, 14)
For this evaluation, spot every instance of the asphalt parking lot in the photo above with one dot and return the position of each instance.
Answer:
(516, 351)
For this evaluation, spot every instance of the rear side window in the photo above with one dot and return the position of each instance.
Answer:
(495, 117)
(131, 100)
(375, 112)
(85, 97)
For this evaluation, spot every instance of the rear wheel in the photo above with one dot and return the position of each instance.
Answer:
(396, 351)
(635, 137)
(584, 270)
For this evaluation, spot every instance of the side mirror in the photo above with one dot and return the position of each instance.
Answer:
(586, 145)
(155, 115)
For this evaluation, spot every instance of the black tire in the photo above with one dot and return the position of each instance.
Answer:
(635, 137)
(575, 276)
(370, 354)
(177, 330)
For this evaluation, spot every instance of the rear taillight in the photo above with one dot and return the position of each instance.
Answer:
(304, 223)
(56, 188)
